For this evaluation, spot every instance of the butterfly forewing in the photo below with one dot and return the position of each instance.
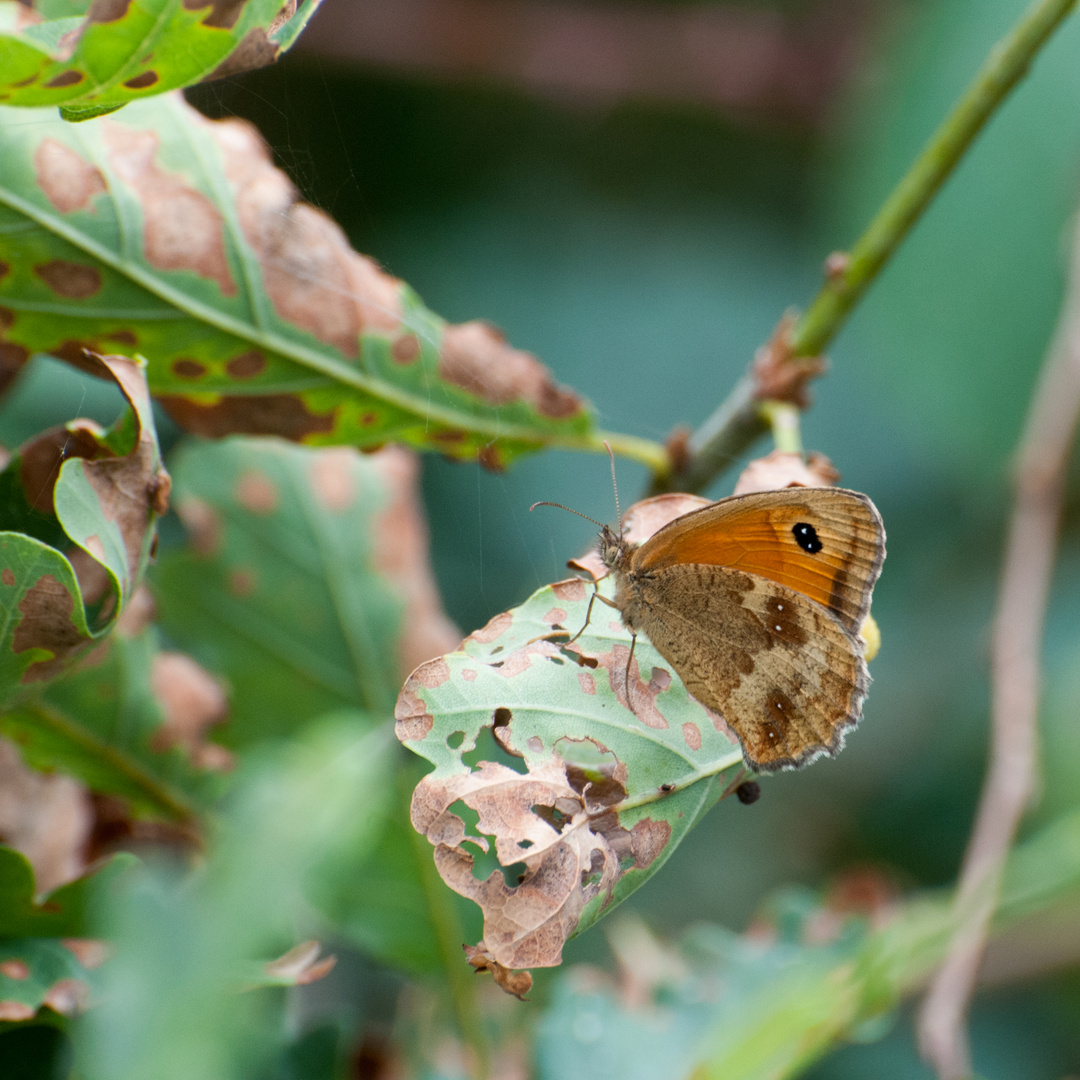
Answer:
(826, 543)
(786, 676)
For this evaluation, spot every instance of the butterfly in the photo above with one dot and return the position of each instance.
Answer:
(757, 601)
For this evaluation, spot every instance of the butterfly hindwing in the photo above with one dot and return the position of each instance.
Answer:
(785, 674)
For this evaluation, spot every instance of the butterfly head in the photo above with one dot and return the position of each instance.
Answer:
(613, 548)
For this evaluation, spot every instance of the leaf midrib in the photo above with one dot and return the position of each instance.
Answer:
(155, 791)
(324, 364)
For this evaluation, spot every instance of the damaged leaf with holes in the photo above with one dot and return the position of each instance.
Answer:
(162, 232)
(77, 511)
(93, 58)
(551, 798)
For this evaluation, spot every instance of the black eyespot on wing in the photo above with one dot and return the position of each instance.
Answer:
(806, 537)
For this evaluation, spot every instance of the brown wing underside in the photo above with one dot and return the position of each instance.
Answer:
(787, 677)
(753, 533)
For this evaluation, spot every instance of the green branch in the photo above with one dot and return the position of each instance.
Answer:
(738, 422)
(1007, 63)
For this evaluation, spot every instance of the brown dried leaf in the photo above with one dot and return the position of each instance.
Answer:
(570, 849)
(518, 983)
(780, 376)
(780, 469)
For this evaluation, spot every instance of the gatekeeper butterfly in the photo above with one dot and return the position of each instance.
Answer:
(757, 601)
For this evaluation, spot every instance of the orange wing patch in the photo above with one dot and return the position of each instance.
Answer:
(826, 543)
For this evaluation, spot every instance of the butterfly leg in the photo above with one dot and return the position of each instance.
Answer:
(588, 611)
(633, 637)
(588, 615)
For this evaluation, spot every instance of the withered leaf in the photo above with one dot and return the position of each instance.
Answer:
(518, 983)
(526, 924)
(80, 508)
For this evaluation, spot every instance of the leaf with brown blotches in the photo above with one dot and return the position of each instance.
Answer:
(306, 581)
(41, 971)
(256, 314)
(162, 761)
(120, 51)
(551, 800)
(570, 854)
(80, 506)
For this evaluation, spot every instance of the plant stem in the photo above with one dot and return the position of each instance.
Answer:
(1002, 70)
(783, 418)
(1030, 554)
(649, 453)
(736, 423)
(734, 426)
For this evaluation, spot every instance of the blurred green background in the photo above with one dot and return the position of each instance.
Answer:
(643, 250)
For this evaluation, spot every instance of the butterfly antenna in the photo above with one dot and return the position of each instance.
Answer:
(568, 510)
(614, 484)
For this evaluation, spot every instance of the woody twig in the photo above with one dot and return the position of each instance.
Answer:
(1039, 482)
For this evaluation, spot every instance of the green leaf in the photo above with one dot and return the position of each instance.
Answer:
(758, 1006)
(40, 971)
(728, 1007)
(93, 59)
(184, 942)
(63, 913)
(298, 586)
(103, 723)
(386, 902)
(279, 589)
(165, 232)
(96, 513)
(617, 790)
